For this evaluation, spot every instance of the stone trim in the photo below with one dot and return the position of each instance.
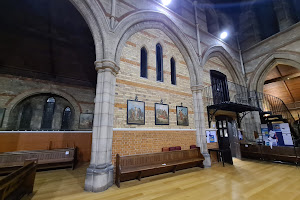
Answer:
(107, 64)
(197, 88)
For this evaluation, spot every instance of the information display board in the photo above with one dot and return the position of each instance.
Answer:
(277, 135)
(211, 136)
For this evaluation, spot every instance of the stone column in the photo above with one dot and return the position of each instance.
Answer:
(99, 176)
(200, 123)
(284, 15)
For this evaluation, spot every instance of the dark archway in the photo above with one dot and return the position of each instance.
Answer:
(46, 39)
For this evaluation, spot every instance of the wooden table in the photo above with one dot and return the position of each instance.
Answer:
(220, 154)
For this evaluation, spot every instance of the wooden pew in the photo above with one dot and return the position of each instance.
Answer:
(18, 183)
(276, 153)
(47, 159)
(143, 165)
(251, 151)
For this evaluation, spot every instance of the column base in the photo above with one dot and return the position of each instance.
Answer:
(207, 161)
(99, 178)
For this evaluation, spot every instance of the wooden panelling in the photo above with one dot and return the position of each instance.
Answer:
(42, 141)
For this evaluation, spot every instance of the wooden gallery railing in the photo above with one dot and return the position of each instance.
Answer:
(143, 165)
(19, 183)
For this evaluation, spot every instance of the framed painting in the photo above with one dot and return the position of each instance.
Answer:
(2, 111)
(161, 114)
(135, 112)
(182, 115)
(86, 121)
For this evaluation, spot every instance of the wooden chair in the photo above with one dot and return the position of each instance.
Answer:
(178, 148)
(172, 149)
(164, 149)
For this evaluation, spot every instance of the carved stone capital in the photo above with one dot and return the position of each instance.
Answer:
(197, 88)
(105, 65)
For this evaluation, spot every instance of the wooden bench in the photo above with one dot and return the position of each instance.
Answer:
(276, 153)
(47, 159)
(138, 166)
(18, 183)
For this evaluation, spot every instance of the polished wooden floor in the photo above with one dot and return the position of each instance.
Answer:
(245, 180)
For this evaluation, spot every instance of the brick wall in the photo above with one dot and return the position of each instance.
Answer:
(129, 84)
(150, 141)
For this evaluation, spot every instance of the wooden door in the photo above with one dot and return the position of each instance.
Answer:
(223, 139)
(219, 87)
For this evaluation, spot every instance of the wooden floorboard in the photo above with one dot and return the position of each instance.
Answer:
(245, 180)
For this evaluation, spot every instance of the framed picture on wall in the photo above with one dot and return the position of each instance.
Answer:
(182, 115)
(86, 121)
(2, 111)
(135, 112)
(161, 114)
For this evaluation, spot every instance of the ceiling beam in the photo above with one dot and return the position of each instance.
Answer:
(283, 78)
(285, 85)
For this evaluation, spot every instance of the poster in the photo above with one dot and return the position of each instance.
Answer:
(285, 128)
(264, 130)
(287, 138)
(276, 128)
(211, 136)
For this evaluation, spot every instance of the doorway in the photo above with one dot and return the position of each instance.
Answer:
(219, 87)
(228, 138)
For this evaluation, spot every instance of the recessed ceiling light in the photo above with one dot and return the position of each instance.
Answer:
(223, 35)
(166, 2)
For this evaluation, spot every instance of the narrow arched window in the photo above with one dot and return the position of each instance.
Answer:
(159, 63)
(26, 117)
(48, 113)
(66, 119)
(144, 62)
(173, 71)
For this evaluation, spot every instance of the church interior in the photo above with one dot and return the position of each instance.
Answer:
(150, 99)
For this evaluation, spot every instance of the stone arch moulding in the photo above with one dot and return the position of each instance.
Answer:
(96, 21)
(144, 20)
(228, 61)
(256, 81)
(16, 100)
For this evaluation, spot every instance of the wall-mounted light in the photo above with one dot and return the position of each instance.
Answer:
(166, 2)
(224, 35)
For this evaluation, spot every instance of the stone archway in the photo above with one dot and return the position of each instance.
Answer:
(256, 81)
(228, 61)
(16, 100)
(100, 172)
(95, 19)
(144, 20)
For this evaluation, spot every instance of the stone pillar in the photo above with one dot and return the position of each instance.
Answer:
(99, 176)
(200, 123)
(284, 15)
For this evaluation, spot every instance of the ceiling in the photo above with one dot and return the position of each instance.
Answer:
(284, 82)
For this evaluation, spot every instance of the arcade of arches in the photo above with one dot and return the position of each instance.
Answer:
(116, 77)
